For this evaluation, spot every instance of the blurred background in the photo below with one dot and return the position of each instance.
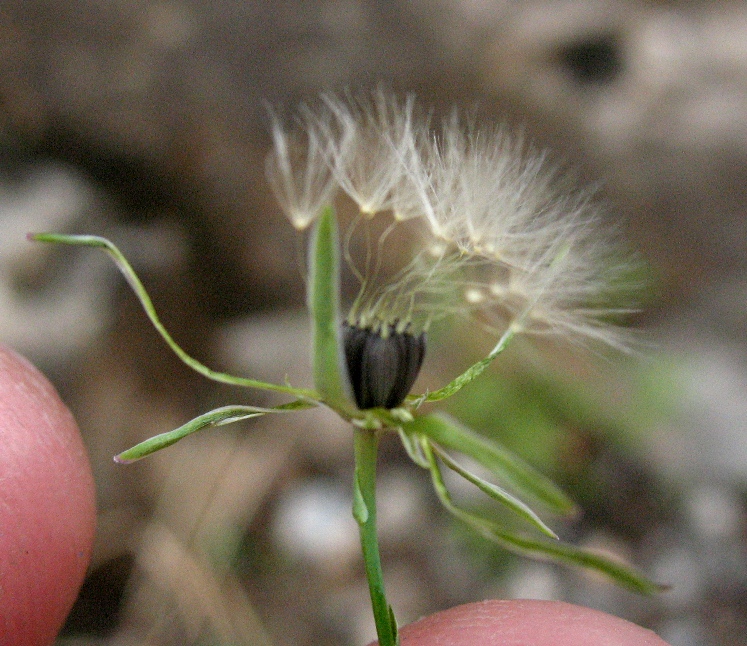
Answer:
(145, 121)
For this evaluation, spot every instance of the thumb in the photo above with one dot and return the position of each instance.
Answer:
(525, 623)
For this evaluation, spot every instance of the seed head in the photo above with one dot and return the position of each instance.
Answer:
(492, 228)
(382, 364)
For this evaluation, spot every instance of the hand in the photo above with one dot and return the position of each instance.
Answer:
(525, 623)
(47, 506)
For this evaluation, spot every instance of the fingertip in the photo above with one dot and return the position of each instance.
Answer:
(525, 621)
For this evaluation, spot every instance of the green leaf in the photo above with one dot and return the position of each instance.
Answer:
(496, 493)
(559, 552)
(129, 274)
(508, 468)
(474, 371)
(540, 548)
(217, 417)
(414, 449)
(324, 306)
(394, 627)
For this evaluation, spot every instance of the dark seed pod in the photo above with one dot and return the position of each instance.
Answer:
(382, 369)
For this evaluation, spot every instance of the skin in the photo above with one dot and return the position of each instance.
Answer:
(47, 506)
(525, 623)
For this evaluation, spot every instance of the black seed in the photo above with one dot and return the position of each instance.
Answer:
(382, 369)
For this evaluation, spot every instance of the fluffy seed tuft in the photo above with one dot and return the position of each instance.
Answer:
(491, 228)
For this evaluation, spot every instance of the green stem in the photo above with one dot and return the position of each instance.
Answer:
(364, 511)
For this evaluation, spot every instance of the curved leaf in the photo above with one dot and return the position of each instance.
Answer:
(474, 371)
(496, 493)
(543, 549)
(217, 417)
(132, 279)
(508, 468)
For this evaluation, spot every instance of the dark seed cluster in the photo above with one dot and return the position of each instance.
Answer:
(382, 367)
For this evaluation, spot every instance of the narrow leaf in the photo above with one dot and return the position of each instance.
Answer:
(559, 552)
(413, 448)
(217, 417)
(538, 548)
(131, 277)
(474, 371)
(508, 468)
(394, 627)
(497, 493)
(324, 305)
